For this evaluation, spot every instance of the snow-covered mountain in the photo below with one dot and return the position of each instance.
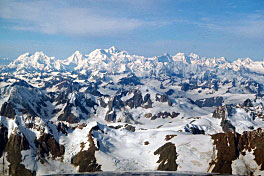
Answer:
(111, 111)
(113, 60)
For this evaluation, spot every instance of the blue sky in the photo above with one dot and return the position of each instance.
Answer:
(229, 28)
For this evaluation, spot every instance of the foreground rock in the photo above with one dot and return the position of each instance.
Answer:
(233, 146)
(86, 159)
(168, 156)
(16, 143)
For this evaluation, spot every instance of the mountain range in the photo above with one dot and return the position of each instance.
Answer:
(113, 60)
(112, 111)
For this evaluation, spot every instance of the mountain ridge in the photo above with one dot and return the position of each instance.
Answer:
(100, 57)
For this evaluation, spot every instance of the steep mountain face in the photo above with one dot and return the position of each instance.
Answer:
(111, 111)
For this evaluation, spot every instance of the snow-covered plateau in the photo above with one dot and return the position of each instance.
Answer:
(111, 111)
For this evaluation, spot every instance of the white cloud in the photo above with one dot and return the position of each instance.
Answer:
(52, 18)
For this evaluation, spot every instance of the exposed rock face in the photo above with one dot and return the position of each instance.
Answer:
(102, 103)
(185, 86)
(3, 139)
(163, 115)
(194, 129)
(93, 89)
(16, 143)
(209, 102)
(86, 159)
(227, 151)
(80, 102)
(22, 83)
(61, 98)
(167, 157)
(61, 127)
(163, 98)
(227, 126)
(147, 101)
(7, 110)
(230, 145)
(130, 128)
(69, 85)
(253, 141)
(136, 100)
(110, 116)
(68, 116)
(115, 102)
(174, 114)
(248, 103)
(46, 145)
(170, 92)
(222, 112)
(130, 80)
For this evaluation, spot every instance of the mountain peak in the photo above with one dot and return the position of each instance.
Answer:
(77, 53)
(247, 60)
(75, 58)
(39, 53)
(113, 49)
(195, 56)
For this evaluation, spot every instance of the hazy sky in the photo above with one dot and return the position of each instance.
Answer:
(229, 28)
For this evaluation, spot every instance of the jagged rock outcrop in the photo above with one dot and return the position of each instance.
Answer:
(16, 143)
(163, 98)
(22, 83)
(61, 127)
(222, 112)
(162, 115)
(227, 151)
(147, 103)
(68, 116)
(46, 144)
(253, 141)
(231, 145)
(167, 158)
(248, 103)
(86, 159)
(136, 101)
(115, 102)
(209, 102)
